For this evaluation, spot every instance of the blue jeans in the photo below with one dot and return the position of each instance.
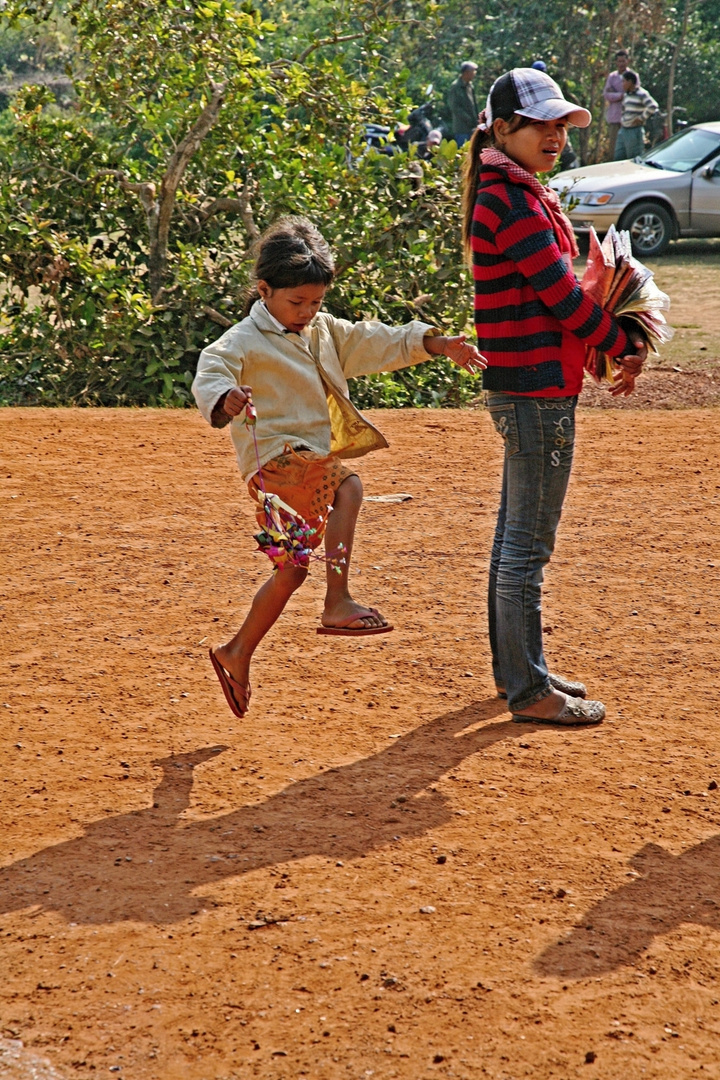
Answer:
(539, 437)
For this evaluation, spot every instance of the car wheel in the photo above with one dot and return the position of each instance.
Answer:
(650, 227)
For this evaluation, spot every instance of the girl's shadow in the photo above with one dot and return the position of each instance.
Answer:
(670, 890)
(145, 865)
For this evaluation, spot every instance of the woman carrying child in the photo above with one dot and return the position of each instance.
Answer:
(533, 322)
(292, 361)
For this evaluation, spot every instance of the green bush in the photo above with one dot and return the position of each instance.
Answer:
(78, 324)
(80, 321)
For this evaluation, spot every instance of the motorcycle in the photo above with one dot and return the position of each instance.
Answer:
(381, 138)
(416, 131)
(419, 132)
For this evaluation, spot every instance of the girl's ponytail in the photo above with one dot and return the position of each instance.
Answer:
(251, 295)
(481, 138)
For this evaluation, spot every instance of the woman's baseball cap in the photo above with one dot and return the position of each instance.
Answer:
(534, 94)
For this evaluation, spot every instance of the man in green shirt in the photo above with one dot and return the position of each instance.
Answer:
(462, 104)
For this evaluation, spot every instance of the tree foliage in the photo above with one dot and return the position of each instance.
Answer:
(102, 308)
(128, 220)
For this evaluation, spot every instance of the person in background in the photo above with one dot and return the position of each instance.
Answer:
(462, 104)
(426, 150)
(637, 106)
(613, 94)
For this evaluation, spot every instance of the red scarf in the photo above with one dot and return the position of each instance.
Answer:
(548, 197)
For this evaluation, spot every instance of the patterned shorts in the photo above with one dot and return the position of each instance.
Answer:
(304, 480)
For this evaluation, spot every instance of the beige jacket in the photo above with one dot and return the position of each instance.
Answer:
(299, 385)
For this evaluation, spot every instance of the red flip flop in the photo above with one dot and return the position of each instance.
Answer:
(238, 705)
(343, 628)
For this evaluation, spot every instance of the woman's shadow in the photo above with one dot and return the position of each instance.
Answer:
(669, 890)
(145, 865)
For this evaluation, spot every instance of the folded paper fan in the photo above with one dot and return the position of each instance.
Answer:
(621, 285)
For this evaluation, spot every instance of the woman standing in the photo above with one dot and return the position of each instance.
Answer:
(533, 322)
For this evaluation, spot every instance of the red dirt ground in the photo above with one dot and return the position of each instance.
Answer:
(376, 874)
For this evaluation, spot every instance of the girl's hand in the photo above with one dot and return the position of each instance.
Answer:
(463, 353)
(623, 383)
(236, 400)
(630, 367)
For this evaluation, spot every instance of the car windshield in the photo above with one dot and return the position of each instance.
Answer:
(684, 151)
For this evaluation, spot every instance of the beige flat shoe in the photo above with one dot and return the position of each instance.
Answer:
(574, 713)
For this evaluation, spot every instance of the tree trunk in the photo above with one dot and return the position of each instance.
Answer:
(679, 42)
(601, 132)
(159, 227)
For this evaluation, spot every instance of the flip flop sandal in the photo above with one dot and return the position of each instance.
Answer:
(574, 712)
(239, 704)
(343, 629)
(565, 686)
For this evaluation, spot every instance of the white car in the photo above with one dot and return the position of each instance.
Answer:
(670, 191)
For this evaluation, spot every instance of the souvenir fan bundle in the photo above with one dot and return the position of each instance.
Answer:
(286, 536)
(623, 286)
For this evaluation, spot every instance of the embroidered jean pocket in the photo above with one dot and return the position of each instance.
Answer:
(559, 425)
(505, 421)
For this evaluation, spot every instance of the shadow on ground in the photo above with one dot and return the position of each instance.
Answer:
(670, 890)
(145, 865)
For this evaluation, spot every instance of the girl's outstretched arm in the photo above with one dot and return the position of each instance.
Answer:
(458, 349)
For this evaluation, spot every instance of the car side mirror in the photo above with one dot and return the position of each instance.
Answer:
(711, 171)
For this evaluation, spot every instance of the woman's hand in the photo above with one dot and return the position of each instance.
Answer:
(630, 367)
(236, 400)
(458, 349)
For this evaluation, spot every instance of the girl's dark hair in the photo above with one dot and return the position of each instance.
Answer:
(471, 169)
(291, 252)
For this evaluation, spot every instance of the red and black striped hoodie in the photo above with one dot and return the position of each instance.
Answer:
(532, 319)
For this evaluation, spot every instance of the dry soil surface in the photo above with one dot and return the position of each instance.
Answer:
(376, 873)
(686, 375)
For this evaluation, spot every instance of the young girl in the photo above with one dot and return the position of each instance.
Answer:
(533, 322)
(292, 361)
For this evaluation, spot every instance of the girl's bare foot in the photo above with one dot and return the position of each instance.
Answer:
(338, 614)
(234, 663)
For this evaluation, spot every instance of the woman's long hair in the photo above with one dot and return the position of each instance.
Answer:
(290, 253)
(482, 138)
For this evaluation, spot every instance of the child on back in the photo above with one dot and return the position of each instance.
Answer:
(291, 361)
